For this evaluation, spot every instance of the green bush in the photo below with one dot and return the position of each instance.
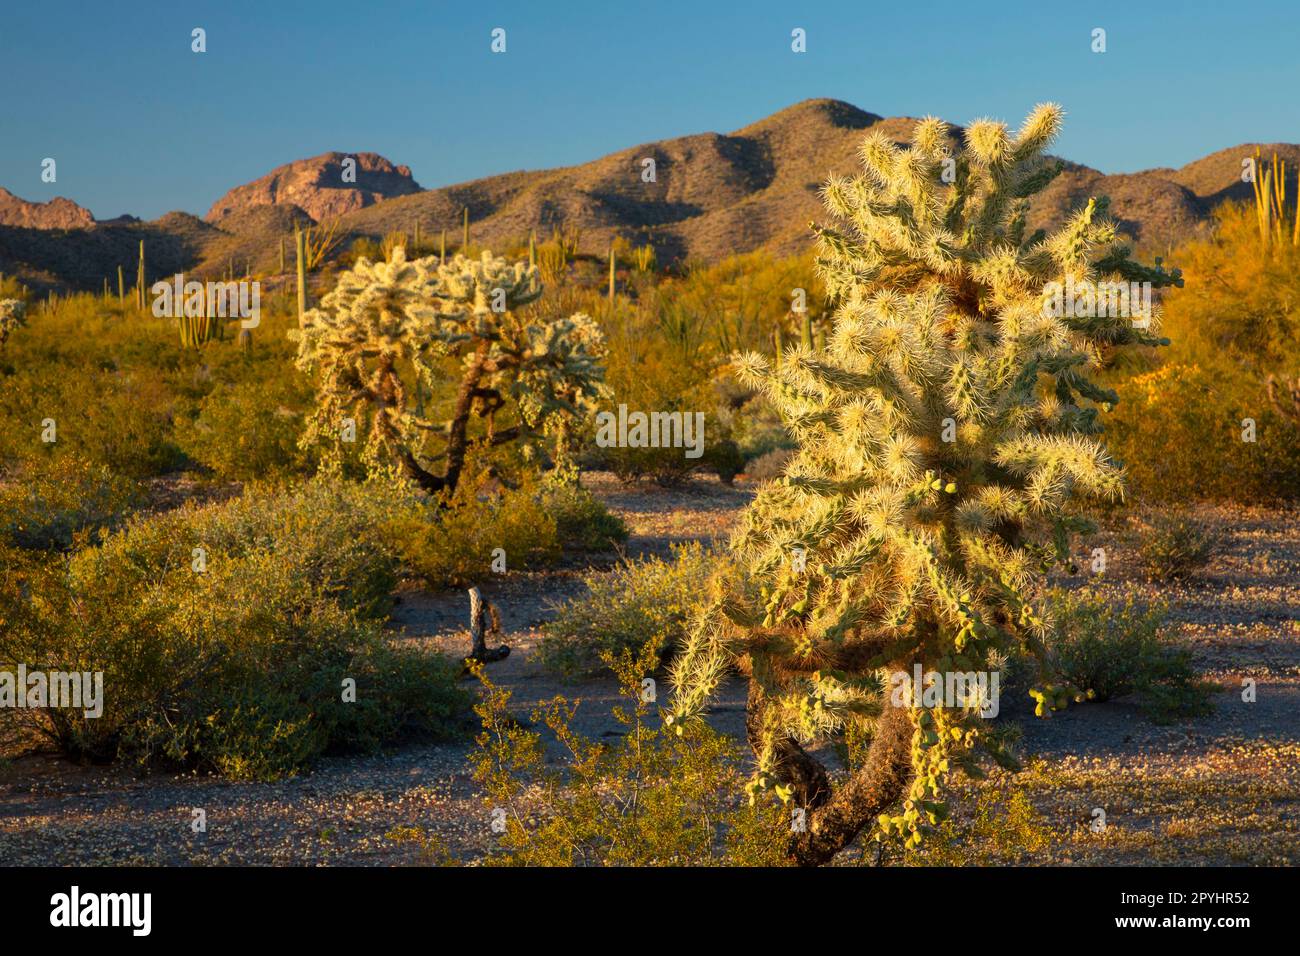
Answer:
(121, 420)
(582, 522)
(1175, 547)
(248, 429)
(47, 503)
(239, 668)
(1113, 650)
(1199, 408)
(638, 603)
(658, 795)
(534, 525)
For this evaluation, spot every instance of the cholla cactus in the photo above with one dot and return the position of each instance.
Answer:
(13, 313)
(388, 326)
(947, 448)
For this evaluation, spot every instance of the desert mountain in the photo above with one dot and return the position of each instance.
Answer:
(58, 213)
(318, 186)
(712, 195)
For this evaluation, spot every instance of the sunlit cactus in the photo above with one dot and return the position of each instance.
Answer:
(391, 329)
(13, 314)
(947, 452)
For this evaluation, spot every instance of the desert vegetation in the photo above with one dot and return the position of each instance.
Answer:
(262, 535)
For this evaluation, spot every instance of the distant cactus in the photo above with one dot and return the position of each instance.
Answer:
(947, 451)
(386, 327)
(139, 280)
(13, 314)
(300, 248)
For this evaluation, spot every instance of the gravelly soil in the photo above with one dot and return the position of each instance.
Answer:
(1222, 788)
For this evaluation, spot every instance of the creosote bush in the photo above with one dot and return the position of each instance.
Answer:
(1175, 546)
(645, 602)
(50, 503)
(649, 797)
(1116, 649)
(948, 451)
(225, 634)
(532, 525)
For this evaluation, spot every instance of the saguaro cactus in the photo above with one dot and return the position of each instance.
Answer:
(142, 301)
(947, 449)
(300, 246)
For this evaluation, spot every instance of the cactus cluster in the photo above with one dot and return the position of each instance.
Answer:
(390, 331)
(947, 453)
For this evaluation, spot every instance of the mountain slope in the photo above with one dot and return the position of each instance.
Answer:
(712, 195)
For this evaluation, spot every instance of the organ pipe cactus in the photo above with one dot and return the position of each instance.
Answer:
(947, 452)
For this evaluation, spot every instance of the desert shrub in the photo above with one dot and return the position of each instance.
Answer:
(239, 667)
(454, 544)
(327, 532)
(644, 602)
(582, 522)
(655, 796)
(1175, 547)
(46, 503)
(121, 420)
(247, 429)
(769, 466)
(1241, 297)
(1002, 826)
(453, 547)
(1232, 325)
(1115, 649)
(725, 459)
(1199, 409)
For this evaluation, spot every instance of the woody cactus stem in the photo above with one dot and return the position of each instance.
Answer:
(464, 242)
(484, 622)
(121, 288)
(613, 264)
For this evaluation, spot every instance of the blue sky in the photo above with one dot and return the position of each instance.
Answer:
(140, 124)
